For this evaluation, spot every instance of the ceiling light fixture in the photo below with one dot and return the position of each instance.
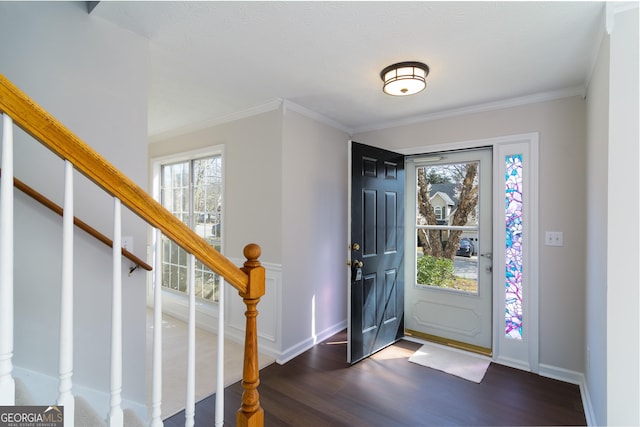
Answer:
(404, 78)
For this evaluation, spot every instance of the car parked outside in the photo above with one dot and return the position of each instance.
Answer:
(465, 248)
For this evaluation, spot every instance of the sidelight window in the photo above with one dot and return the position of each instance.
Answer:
(513, 247)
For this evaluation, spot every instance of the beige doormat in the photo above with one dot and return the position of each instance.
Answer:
(452, 361)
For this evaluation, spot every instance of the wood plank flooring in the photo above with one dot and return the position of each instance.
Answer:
(319, 388)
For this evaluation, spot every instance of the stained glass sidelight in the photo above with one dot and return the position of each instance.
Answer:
(513, 249)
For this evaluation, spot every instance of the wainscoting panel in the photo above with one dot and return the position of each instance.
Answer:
(269, 312)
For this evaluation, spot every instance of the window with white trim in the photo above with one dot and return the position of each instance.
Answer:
(192, 190)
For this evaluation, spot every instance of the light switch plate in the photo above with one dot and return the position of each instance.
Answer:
(127, 243)
(553, 238)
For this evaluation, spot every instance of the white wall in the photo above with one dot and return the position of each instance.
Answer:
(623, 343)
(314, 224)
(252, 213)
(92, 76)
(285, 178)
(596, 295)
(561, 126)
(253, 179)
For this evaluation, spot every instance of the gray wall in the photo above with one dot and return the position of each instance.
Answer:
(561, 127)
(92, 76)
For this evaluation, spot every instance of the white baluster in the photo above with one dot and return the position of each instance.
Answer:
(116, 416)
(190, 407)
(156, 392)
(219, 417)
(7, 384)
(65, 397)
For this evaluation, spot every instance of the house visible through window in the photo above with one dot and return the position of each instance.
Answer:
(439, 214)
(192, 191)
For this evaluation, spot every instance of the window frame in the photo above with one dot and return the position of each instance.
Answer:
(176, 302)
(438, 210)
(522, 354)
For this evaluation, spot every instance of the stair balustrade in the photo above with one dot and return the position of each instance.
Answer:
(19, 110)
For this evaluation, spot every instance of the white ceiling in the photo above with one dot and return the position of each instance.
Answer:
(215, 60)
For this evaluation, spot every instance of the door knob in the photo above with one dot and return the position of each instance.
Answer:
(357, 264)
(355, 247)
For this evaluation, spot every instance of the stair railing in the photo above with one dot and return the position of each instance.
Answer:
(52, 206)
(17, 108)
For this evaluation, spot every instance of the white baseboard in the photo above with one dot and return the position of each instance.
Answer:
(512, 363)
(586, 404)
(572, 377)
(561, 374)
(282, 357)
(305, 345)
(556, 373)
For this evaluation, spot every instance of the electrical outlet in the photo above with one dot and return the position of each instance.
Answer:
(127, 243)
(553, 238)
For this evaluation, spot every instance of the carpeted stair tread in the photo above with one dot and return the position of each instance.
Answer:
(23, 397)
(85, 415)
(131, 419)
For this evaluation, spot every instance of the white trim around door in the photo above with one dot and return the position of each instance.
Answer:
(519, 348)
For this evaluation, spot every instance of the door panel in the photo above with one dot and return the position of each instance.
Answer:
(449, 297)
(376, 291)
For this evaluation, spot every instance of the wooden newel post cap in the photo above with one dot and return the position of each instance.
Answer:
(252, 252)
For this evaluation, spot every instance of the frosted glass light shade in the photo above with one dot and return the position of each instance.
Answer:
(404, 78)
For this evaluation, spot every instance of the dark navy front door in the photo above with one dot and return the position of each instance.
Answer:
(377, 250)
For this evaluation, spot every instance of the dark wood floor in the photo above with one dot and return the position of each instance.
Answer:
(318, 388)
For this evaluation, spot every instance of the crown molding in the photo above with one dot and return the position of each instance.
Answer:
(478, 108)
(289, 105)
(253, 111)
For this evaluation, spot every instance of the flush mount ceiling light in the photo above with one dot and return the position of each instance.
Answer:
(404, 78)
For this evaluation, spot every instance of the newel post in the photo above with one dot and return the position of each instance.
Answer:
(251, 413)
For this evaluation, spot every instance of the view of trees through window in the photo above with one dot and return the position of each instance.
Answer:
(446, 225)
(192, 191)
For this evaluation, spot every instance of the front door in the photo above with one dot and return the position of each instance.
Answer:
(376, 295)
(449, 279)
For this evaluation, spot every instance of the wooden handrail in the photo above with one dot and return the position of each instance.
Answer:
(77, 221)
(248, 280)
(42, 126)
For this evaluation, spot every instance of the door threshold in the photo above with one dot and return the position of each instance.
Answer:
(448, 342)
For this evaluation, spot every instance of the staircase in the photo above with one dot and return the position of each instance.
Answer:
(18, 110)
(84, 415)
